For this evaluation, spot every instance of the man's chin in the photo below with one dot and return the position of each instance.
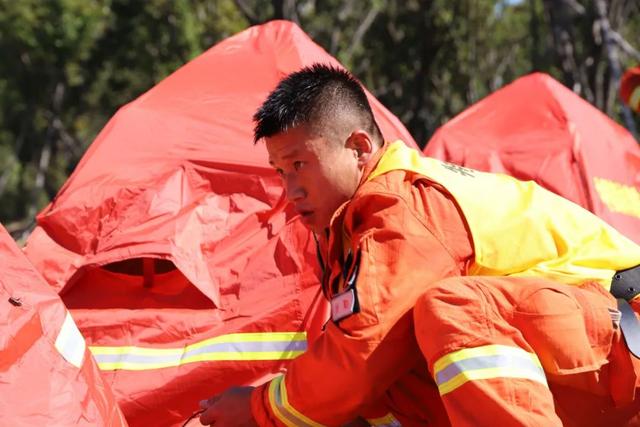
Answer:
(309, 223)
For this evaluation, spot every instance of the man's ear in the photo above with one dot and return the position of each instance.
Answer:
(362, 145)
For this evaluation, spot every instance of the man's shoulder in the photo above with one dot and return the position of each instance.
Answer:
(401, 190)
(396, 182)
(398, 188)
(401, 183)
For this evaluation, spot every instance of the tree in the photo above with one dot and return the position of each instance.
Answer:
(590, 38)
(69, 64)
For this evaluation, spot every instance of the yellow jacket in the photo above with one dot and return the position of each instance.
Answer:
(521, 229)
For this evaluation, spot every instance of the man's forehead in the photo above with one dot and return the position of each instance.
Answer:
(288, 144)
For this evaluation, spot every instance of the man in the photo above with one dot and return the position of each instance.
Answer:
(398, 231)
(630, 88)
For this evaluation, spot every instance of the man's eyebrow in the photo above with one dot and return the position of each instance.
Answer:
(294, 153)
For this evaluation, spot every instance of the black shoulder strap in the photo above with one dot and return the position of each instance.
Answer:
(626, 283)
(630, 327)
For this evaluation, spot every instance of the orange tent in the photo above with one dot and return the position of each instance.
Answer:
(172, 243)
(537, 129)
(47, 375)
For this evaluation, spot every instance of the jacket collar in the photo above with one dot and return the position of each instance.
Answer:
(369, 168)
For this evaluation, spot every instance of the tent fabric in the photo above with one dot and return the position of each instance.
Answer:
(172, 242)
(537, 129)
(47, 375)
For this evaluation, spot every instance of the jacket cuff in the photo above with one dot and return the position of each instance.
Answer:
(260, 406)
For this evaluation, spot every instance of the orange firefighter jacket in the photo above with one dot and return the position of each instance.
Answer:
(398, 234)
(404, 233)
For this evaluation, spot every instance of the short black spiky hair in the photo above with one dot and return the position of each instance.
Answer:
(312, 94)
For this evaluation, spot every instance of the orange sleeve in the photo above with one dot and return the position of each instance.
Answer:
(358, 358)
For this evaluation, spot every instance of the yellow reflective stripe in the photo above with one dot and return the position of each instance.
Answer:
(281, 408)
(634, 99)
(480, 363)
(624, 199)
(213, 357)
(70, 342)
(229, 338)
(487, 350)
(274, 401)
(387, 421)
(241, 347)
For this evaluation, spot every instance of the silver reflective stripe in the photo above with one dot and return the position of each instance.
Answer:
(246, 346)
(521, 363)
(291, 420)
(484, 363)
(70, 342)
(229, 347)
(387, 421)
(281, 408)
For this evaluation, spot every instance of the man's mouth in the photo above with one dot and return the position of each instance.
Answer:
(305, 213)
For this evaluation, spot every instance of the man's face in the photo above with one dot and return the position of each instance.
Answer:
(318, 175)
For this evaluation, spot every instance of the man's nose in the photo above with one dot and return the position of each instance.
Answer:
(295, 191)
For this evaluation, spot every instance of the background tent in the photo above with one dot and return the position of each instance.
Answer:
(537, 129)
(47, 375)
(172, 242)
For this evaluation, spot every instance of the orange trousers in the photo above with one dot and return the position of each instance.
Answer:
(507, 351)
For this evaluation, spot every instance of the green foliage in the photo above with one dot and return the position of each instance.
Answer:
(68, 65)
(45, 45)
(426, 61)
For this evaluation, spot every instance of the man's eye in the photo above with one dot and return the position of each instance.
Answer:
(297, 165)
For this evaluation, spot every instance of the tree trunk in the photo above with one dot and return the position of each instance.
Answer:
(614, 65)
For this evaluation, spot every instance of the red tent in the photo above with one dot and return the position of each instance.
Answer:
(47, 375)
(172, 242)
(537, 129)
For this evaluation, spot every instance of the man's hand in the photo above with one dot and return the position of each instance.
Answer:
(232, 408)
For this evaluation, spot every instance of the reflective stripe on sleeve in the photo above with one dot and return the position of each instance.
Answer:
(281, 408)
(238, 347)
(387, 421)
(481, 363)
(70, 342)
